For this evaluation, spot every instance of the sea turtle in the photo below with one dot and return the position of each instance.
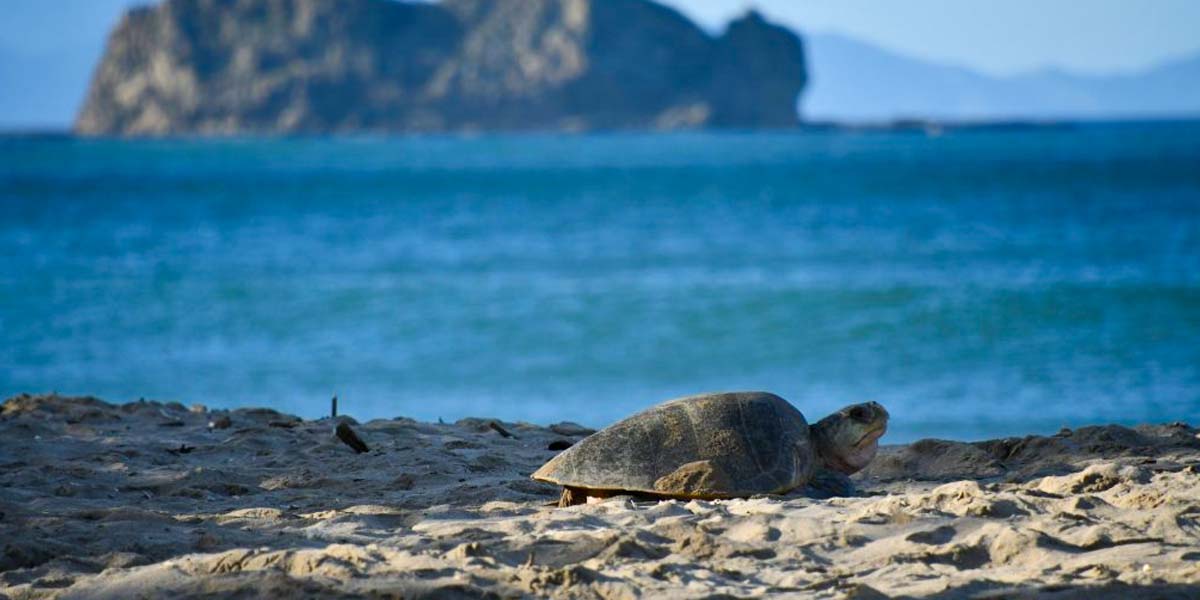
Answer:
(723, 445)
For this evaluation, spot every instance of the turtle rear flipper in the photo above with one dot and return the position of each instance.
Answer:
(571, 497)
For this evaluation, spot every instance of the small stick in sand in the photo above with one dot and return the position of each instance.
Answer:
(501, 430)
(333, 407)
(350, 438)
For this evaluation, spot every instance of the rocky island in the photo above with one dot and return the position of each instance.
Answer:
(222, 67)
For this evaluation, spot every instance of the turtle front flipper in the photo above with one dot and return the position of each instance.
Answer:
(827, 483)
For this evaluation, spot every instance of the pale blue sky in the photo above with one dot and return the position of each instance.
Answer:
(994, 36)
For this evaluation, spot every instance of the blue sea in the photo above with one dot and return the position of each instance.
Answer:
(978, 283)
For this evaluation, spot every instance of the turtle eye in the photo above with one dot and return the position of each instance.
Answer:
(859, 413)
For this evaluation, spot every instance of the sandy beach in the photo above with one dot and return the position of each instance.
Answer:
(151, 499)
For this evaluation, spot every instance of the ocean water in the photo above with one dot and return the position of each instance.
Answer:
(977, 283)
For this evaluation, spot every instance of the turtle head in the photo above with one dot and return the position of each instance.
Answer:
(848, 439)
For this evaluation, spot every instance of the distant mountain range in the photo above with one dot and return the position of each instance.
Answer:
(854, 81)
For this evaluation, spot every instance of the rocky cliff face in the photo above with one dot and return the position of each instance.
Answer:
(315, 66)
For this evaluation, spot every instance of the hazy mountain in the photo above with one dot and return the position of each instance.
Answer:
(856, 81)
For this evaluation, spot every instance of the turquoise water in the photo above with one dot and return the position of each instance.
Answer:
(978, 283)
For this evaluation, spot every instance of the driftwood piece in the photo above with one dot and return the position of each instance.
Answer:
(350, 438)
(498, 428)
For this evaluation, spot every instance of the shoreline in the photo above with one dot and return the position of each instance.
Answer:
(101, 500)
(900, 124)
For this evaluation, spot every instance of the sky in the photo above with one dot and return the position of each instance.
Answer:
(49, 47)
(993, 36)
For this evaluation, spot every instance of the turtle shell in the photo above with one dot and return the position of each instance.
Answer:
(708, 446)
